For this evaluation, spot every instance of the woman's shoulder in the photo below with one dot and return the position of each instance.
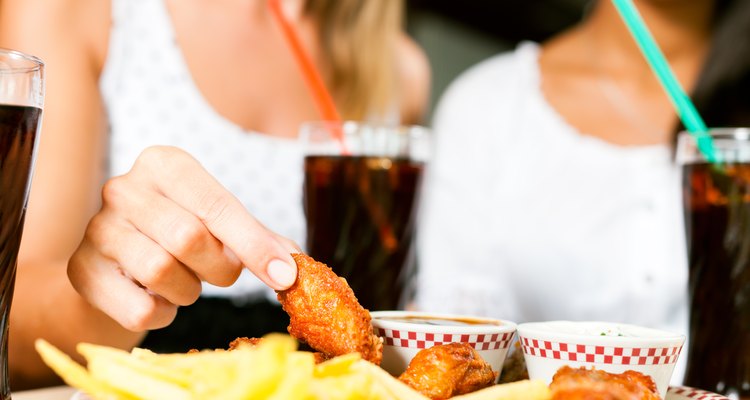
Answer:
(496, 75)
(56, 26)
(414, 77)
(491, 86)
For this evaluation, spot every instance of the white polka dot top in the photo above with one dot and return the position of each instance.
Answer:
(151, 99)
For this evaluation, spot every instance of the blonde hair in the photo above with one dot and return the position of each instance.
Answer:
(358, 41)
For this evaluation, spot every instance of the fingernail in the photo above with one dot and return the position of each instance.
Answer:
(282, 273)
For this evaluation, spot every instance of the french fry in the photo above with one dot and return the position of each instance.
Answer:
(136, 382)
(245, 373)
(521, 390)
(271, 370)
(389, 386)
(337, 365)
(75, 375)
(104, 357)
(345, 386)
(298, 376)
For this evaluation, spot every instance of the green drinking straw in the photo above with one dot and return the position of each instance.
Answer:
(681, 102)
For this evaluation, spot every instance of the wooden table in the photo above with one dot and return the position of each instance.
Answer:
(54, 393)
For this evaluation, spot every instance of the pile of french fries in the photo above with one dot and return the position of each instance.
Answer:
(273, 369)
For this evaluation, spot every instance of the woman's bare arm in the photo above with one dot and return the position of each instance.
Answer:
(71, 38)
(415, 81)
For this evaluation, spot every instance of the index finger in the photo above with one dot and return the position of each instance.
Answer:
(181, 178)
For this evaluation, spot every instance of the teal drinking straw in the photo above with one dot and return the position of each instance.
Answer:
(685, 108)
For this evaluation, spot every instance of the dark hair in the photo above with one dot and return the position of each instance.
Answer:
(722, 93)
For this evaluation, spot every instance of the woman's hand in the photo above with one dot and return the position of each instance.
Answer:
(164, 227)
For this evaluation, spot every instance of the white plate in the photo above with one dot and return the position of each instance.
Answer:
(674, 393)
(688, 393)
(80, 396)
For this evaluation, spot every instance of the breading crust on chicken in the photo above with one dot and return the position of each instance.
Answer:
(448, 370)
(326, 315)
(591, 384)
(244, 341)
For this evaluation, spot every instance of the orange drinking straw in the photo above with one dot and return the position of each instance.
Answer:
(323, 99)
(327, 109)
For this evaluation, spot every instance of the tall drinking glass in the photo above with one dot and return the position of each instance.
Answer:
(21, 101)
(717, 222)
(361, 195)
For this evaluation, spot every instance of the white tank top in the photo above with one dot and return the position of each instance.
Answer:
(151, 99)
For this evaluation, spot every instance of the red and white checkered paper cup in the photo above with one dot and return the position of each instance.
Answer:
(405, 333)
(612, 347)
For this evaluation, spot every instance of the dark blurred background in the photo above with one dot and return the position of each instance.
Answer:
(459, 33)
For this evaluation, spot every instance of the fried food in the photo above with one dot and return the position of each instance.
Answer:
(591, 384)
(246, 341)
(243, 341)
(514, 366)
(270, 370)
(325, 314)
(518, 390)
(447, 370)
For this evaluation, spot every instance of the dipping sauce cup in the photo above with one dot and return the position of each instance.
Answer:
(405, 333)
(611, 347)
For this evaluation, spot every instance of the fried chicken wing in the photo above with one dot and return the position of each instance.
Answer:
(591, 384)
(242, 341)
(246, 341)
(447, 370)
(514, 367)
(326, 315)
